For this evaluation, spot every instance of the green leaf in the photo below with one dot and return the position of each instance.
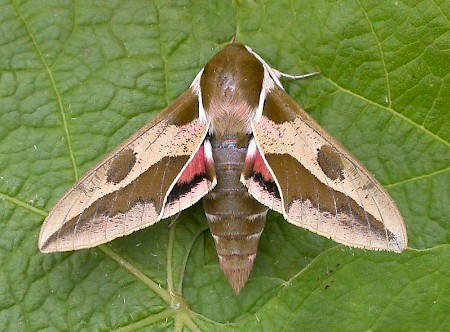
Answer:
(77, 78)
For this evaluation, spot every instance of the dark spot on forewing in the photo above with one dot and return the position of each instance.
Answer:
(330, 162)
(121, 166)
(298, 183)
(148, 189)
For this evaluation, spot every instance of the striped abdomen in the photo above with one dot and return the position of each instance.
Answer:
(235, 218)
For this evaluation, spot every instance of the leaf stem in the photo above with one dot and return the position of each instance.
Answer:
(164, 294)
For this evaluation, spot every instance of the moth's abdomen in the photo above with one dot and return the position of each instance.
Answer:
(235, 218)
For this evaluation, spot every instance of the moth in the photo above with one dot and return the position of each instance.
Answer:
(236, 139)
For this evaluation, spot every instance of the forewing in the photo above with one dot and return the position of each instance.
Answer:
(129, 189)
(321, 186)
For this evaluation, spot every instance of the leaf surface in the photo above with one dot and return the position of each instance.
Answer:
(78, 78)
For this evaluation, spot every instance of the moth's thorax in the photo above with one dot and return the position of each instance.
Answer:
(231, 85)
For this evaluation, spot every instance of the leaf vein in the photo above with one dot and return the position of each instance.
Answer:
(55, 90)
(416, 178)
(390, 110)
(383, 61)
(22, 204)
(152, 285)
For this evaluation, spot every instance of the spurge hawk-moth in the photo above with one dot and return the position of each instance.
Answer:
(236, 139)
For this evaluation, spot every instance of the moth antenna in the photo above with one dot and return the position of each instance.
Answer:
(297, 77)
(233, 40)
